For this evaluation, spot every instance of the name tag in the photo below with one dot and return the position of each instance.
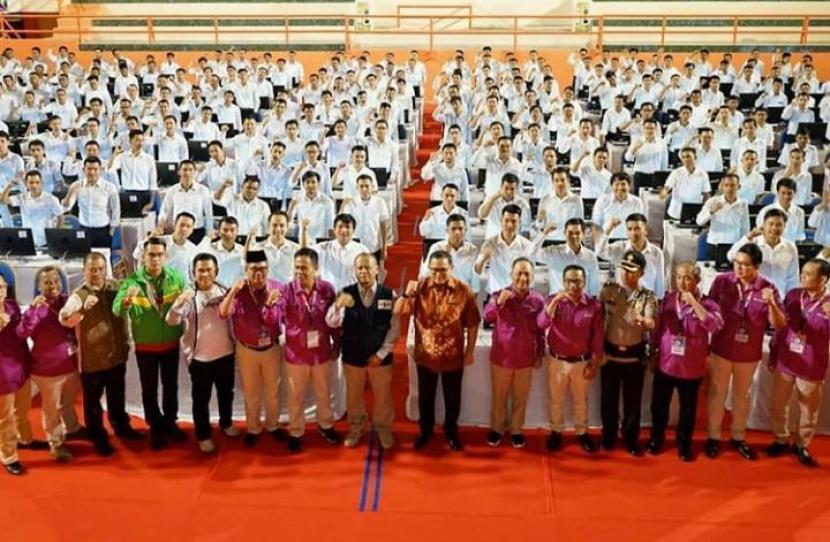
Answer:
(312, 339)
(742, 335)
(385, 304)
(678, 346)
(797, 345)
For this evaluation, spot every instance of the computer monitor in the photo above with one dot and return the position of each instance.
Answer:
(198, 151)
(133, 203)
(167, 173)
(722, 263)
(67, 243)
(17, 242)
(689, 211)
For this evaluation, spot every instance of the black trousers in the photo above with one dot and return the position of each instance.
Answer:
(111, 381)
(629, 378)
(151, 365)
(427, 386)
(204, 375)
(664, 386)
(197, 235)
(99, 237)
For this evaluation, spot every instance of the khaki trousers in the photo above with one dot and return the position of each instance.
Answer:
(299, 377)
(383, 411)
(260, 374)
(8, 433)
(564, 376)
(58, 394)
(721, 371)
(512, 385)
(20, 409)
(808, 397)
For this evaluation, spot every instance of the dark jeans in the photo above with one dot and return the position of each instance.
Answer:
(99, 237)
(629, 377)
(664, 386)
(151, 365)
(204, 375)
(427, 386)
(111, 381)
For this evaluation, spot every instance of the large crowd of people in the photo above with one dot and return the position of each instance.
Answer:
(270, 243)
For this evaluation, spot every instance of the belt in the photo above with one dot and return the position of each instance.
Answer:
(257, 348)
(572, 359)
(630, 351)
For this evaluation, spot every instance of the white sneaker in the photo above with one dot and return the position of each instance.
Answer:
(207, 446)
(232, 431)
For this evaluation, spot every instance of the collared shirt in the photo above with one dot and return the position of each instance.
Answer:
(794, 228)
(517, 341)
(608, 207)
(575, 329)
(335, 317)
(495, 170)
(251, 215)
(384, 155)
(54, 349)
(621, 308)
(231, 262)
(98, 204)
(820, 220)
(319, 210)
(752, 185)
(214, 175)
(745, 317)
(728, 224)
(444, 175)
(336, 261)
(683, 339)
(275, 180)
(137, 172)
(195, 200)
(369, 215)
(38, 213)
(50, 173)
(15, 359)
(803, 185)
(349, 179)
(795, 116)
(179, 257)
(801, 348)
(280, 258)
(308, 339)
(686, 187)
(780, 263)
(559, 211)
(245, 147)
(434, 226)
(322, 171)
(650, 157)
(557, 257)
(654, 274)
(493, 226)
(744, 144)
(441, 314)
(254, 324)
(173, 148)
(593, 183)
(463, 262)
(501, 262)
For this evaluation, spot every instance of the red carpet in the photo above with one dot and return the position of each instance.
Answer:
(480, 494)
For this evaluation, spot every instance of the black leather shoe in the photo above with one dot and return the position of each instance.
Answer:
(518, 440)
(104, 448)
(744, 450)
(554, 441)
(655, 446)
(34, 445)
(15, 469)
(331, 435)
(493, 438)
(608, 443)
(587, 443)
(711, 448)
(777, 449)
(422, 440)
(129, 433)
(633, 448)
(175, 433)
(454, 443)
(280, 435)
(804, 457)
(250, 439)
(685, 453)
(79, 434)
(295, 445)
(157, 441)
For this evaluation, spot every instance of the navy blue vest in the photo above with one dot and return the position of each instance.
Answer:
(364, 328)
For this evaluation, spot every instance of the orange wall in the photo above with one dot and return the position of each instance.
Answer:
(434, 60)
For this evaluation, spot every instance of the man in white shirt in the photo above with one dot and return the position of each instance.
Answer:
(508, 194)
(383, 152)
(654, 275)
(228, 253)
(558, 207)
(99, 209)
(180, 250)
(250, 212)
(749, 140)
(580, 143)
(38, 209)
(780, 261)
(445, 169)
(648, 153)
(172, 146)
(496, 164)
(594, 177)
(795, 114)
(434, 223)
(463, 253)
(785, 191)
(137, 169)
(312, 210)
(558, 256)
(191, 197)
(274, 175)
(686, 184)
(796, 171)
(726, 214)
(347, 175)
(278, 249)
(220, 169)
(611, 210)
(248, 146)
(11, 169)
(372, 219)
(500, 251)
(752, 183)
(337, 255)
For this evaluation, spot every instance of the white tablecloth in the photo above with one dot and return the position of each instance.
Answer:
(655, 213)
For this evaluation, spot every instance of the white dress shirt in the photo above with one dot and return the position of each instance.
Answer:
(743, 144)
(820, 220)
(231, 262)
(349, 180)
(493, 225)
(443, 175)
(196, 201)
(214, 174)
(172, 149)
(38, 213)
(593, 183)
(434, 226)
(138, 172)
(794, 229)
(728, 224)
(608, 207)
(336, 261)
(98, 204)
(501, 262)
(752, 185)
(779, 265)
(319, 210)
(463, 262)
(686, 187)
(280, 259)
(650, 157)
(560, 210)
(654, 275)
(251, 215)
(369, 215)
(558, 257)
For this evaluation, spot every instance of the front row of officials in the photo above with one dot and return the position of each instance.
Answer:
(82, 340)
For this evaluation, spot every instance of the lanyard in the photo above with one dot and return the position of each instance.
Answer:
(808, 307)
(743, 302)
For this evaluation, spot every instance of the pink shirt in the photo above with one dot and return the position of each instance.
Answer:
(517, 340)
(308, 339)
(576, 329)
(254, 324)
(802, 347)
(745, 317)
(54, 349)
(14, 352)
(683, 339)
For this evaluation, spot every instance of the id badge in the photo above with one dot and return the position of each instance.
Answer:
(313, 339)
(678, 346)
(742, 335)
(385, 304)
(797, 345)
